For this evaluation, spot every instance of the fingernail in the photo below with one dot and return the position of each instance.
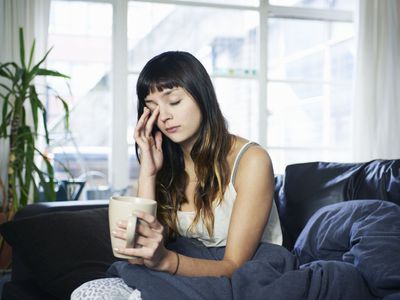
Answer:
(116, 249)
(114, 232)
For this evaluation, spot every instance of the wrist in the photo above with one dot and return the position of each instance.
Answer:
(146, 187)
(170, 262)
(147, 178)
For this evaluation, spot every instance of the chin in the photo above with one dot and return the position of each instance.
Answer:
(175, 139)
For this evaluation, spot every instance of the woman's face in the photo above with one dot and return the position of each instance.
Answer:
(179, 115)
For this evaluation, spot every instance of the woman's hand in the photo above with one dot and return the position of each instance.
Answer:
(151, 155)
(149, 242)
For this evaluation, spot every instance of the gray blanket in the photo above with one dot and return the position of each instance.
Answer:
(348, 250)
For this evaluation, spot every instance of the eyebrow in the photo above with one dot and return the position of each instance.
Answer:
(164, 93)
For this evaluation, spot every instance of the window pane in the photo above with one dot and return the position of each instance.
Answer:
(286, 156)
(310, 74)
(230, 2)
(327, 4)
(82, 50)
(226, 48)
(238, 99)
(312, 50)
(295, 117)
(342, 61)
(299, 118)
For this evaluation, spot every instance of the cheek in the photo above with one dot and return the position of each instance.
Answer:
(159, 123)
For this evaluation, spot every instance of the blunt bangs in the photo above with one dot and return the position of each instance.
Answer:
(160, 73)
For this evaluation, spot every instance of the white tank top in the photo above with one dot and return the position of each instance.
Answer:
(222, 216)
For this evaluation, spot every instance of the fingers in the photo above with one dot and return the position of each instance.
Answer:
(123, 224)
(150, 220)
(118, 233)
(143, 130)
(145, 253)
(158, 138)
(149, 240)
(150, 123)
(149, 229)
(141, 124)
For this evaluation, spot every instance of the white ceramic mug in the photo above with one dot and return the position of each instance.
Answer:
(125, 208)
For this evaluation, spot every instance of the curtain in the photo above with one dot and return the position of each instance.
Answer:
(376, 117)
(33, 16)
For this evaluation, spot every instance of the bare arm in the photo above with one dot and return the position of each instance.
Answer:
(249, 217)
(150, 152)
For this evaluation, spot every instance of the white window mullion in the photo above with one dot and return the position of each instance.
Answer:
(310, 13)
(263, 74)
(118, 159)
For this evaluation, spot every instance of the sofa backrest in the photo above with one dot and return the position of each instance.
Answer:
(306, 187)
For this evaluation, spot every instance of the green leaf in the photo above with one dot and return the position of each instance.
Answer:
(46, 72)
(35, 69)
(48, 187)
(18, 76)
(34, 107)
(22, 47)
(66, 108)
(46, 132)
(3, 72)
(31, 54)
(29, 161)
(23, 117)
(15, 197)
(6, 88)
(4, 120)
(64, 167)
(5, 68)
(23, 197)
(35, 189)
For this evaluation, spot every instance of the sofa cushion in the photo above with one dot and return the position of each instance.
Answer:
(310, 186)
(62, 249)
(25, 289)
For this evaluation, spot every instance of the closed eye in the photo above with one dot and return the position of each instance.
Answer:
(151, 105)
(176, 102)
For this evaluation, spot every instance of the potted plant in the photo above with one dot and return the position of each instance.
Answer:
(18, 97)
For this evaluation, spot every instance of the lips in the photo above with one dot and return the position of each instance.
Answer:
(171, 129)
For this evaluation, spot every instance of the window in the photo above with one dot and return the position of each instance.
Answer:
(229, 52)
(282, 70)
(309, 86)
(82, 50)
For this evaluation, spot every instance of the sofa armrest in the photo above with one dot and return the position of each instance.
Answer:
(50, 207)
(20, 271)
(16, 290)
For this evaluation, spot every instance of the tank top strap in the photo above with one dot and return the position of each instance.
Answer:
(237, 159)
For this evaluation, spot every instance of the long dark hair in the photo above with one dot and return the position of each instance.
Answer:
(209, 153)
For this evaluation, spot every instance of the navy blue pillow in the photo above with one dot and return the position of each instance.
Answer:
(309, 186)
(364, 233)
(62, 249)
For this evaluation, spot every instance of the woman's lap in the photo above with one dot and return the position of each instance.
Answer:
(105, 289)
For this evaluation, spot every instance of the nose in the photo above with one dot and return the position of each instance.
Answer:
(165, 113)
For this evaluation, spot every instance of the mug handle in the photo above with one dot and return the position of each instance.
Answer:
(130, 232)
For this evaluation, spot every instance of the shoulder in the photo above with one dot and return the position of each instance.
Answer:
(255, 158)
(255, 163)
(252, 155)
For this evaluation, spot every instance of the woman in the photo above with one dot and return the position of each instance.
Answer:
(209, 185)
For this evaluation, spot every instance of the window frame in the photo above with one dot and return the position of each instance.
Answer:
(119, 157)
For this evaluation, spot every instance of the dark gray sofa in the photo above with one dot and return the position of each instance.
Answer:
(48, 264)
